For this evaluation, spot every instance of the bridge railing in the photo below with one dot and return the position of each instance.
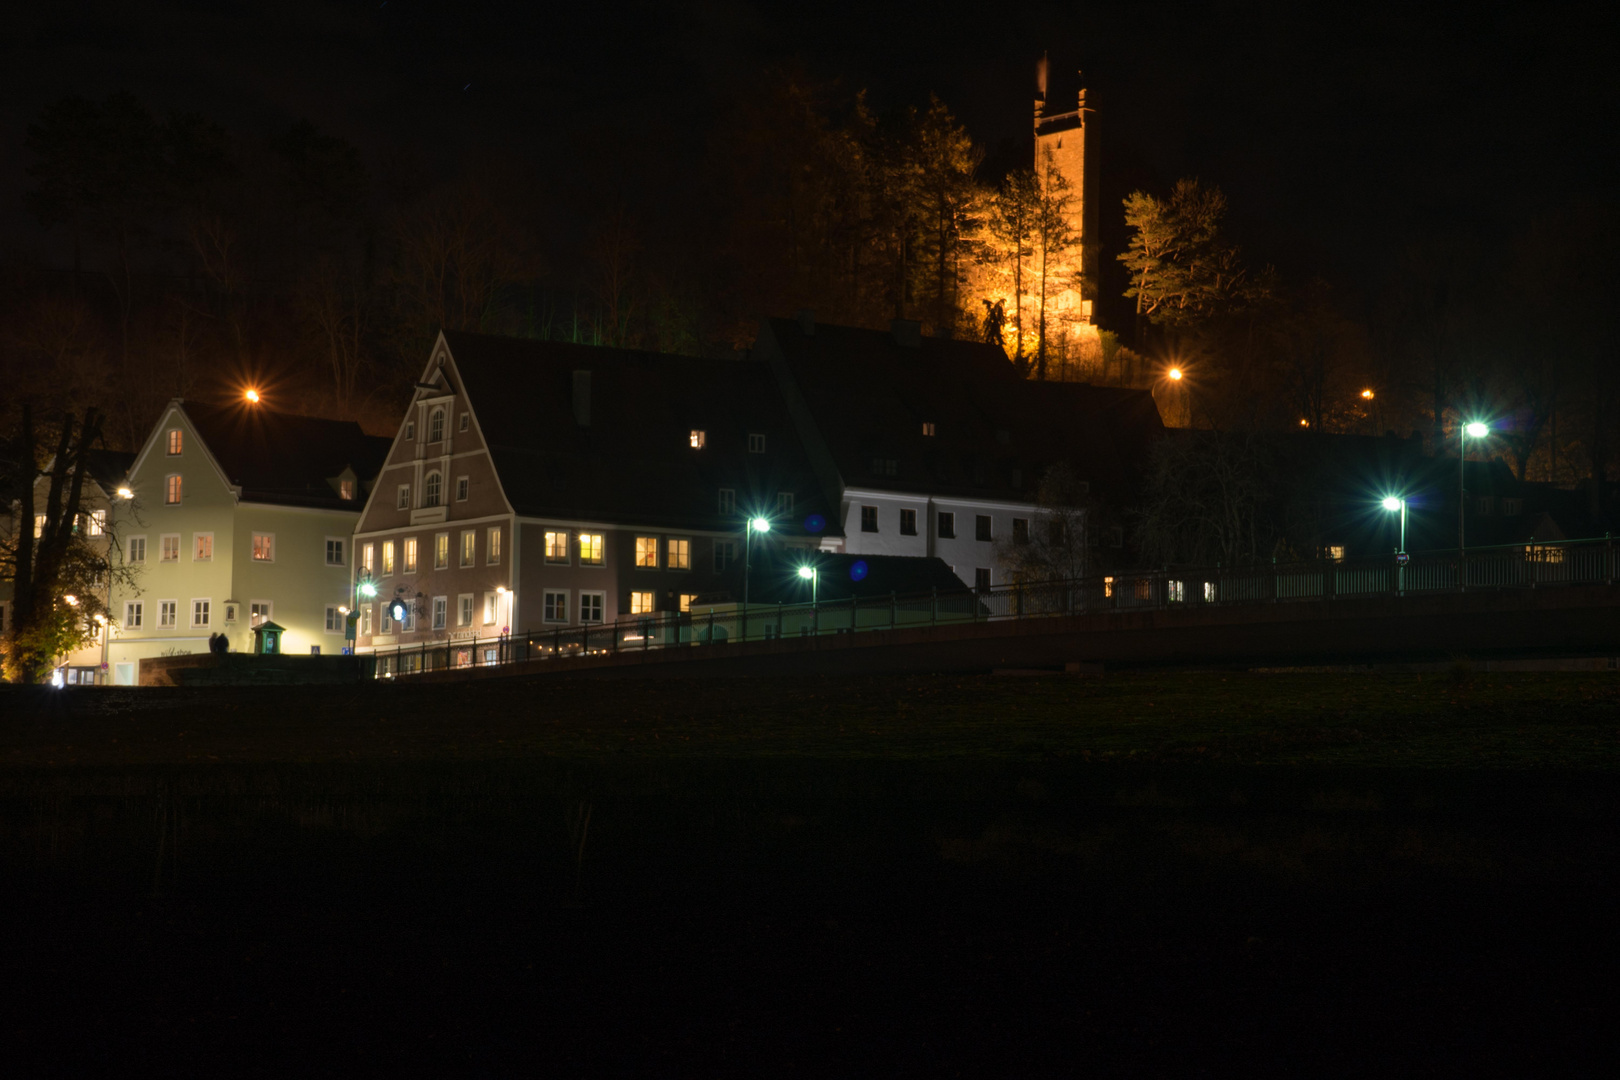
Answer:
(1519, 566)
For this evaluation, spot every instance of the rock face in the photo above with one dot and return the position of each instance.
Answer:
(245, 669)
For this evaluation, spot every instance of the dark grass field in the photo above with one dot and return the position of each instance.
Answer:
(1149, 874)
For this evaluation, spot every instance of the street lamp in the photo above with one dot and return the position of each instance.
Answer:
(1393, 503)
(1472, 430)
(252, 396)
(1175, 374)
(812, 575)
(755, 525)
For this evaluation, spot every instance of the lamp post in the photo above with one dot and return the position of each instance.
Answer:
(1475, 430)
(755, 525)
(1393, 503)
(813, 574)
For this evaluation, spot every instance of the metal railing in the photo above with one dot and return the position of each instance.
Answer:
(1519, 566)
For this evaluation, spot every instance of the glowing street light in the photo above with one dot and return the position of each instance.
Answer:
(1368, 395)
(1474, 429)
(813, 576)
(126, 492)
(252, 396)
(755, 525)
(70, 600)
(1175, 374)
(367, 588)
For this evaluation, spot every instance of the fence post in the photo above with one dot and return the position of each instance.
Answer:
(893, 610)
(1608, 546)
(711, 626)
(933, 606)
(779, 620)
(854, 613)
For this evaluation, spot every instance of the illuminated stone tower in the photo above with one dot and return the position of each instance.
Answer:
(1060, 147)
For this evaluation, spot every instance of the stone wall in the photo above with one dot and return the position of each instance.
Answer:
(245, 669)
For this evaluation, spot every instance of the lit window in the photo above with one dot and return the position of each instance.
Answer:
(1177, 591)
(590, 606)
(368, 557)
(556, 607)
(1335, 552)
(756, 443)
(258, 612)
(388, 557)
(908, 523)
(441, 604)
(869, 519)
(98, 522)
(135, 549)
(168, 611)
(461, 424)
(462, 485)
(1108, 587)
(346, 489)
(491, 604)
(174, 442)
(409, 555)
(169, 549)
(698, 438)
(981, 527)
(403, 502)
(132, 616)
(469, 543)
(464, 609)
(946, 523)
(647, 551)
(264, 547)
(430, 490)
(590, 549)
(203, 551)
(1209, 592)
(441, 551)
(200, 613)
(728, 501)
(436, 426)
(687, 600)
(641, 603)
(364, 628)
(680, 555)
(334, 551)
(493, 555)
(557, 547)
(784, 502)
(39, 526)
(928, 427)
(171, 491)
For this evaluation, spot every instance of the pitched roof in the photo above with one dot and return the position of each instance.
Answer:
(633, 463)
(286, 459)
(994, 432)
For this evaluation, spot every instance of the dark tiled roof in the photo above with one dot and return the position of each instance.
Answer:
(633, 463)
(995, 433)
(287, 459)
(109, 468)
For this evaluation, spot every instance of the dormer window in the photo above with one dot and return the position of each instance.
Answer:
(346, 490)
(436, 426)
(698, 438)
(756, 443)
(928, 428)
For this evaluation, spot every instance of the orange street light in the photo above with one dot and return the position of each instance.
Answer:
(1368, 394)
(1304, 423)
(1175, 374)
(252, 396)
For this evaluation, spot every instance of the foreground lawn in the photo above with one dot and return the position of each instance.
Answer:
(1460, 719)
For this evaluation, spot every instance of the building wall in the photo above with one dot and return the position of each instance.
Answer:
(964, 552)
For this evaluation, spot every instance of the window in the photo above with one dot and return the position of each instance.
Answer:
(334, 619)
(203, 547)
(1175, 591)
(908, 523)
(1487, 503)
(436, 426)
(135, 549)
(981, 527)
(132, 615)
(169, 548)
(171, 490)
(1512, 507)
(946, 523)
(386, 620)
(410, 430)
(346, 489)
(168, 611)
(174, 442)
(590, 606)
(491, 606)
(403, 502)
(364, 628)
(258, 612)
(440, 603)
(981, 579)
(928, 428)
(97, 523)
(869, 519)
(464, 609)
(1209, 592)
(647, 551)
(590, 549)
(441, 551)
(462, 484)
(698, 438)
(1335, 552)
(728, 501)
(1116, 536)
(687, 600)
(784, 502)
(199, 613)
(368, 557)
(430, 489)
(469, 545)
(264, 547)
(556, 607)
(409, 554)
(641, 603)
(334, 551)
(680, 555)
(756, 443)
(1108, 587)
(725, 554)
(557, 547)
(39, 526)
(493, 555)
(463, 422)
(387, 556)
(885, 466)
(1020, 530)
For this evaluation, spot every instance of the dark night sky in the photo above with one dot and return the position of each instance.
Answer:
(1334, 133)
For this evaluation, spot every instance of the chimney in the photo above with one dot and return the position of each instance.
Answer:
(907, 333)
(582, 398)
(807, 322)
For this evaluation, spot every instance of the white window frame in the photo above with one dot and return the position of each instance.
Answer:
(403, 500)
(207, 603)
(463, 422)
(134, 615)
(685, 560)
(441, 612)
(600, 547)
(368, 557)
(385, 566)
(195, 537)
(342, 550)
(409, 552)
(174, 443)
(410, 431)
(492, 546)
(173, 489)
(469, 548)
(334, 620)
(129, 548)
(253, 552)
(558, 537)
(163, 547)
(269, 611)
(491, 607)
(432, 488)
(464, 609)
(168, 614)
(643, 602)
(441, 551)
(436, 425)
(549, 606)
(463, 487)
(600, 596)
(97, 523)
(641, 542)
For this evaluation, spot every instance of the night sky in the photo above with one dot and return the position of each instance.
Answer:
(1337, 135)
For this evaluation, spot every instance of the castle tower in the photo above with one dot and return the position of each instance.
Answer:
(1060, 146)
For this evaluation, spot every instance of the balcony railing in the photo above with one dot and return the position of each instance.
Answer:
(1520, 566)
